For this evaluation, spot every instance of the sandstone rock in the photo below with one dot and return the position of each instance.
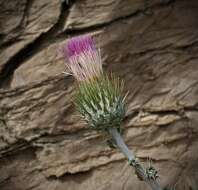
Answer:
(44, 144)
(23, 22)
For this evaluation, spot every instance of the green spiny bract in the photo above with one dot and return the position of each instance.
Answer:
(100, 102)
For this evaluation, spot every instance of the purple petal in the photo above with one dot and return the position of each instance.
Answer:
(77, 45)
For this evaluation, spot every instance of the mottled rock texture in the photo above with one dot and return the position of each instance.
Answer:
(151, 44)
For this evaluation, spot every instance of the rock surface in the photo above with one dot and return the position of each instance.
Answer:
(152, 45)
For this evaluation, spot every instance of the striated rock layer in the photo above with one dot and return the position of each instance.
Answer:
(152, 45)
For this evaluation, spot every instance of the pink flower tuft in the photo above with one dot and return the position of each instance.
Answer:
(84, 58)
(80, 44)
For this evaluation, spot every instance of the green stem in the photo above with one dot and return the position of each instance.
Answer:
(132, 159)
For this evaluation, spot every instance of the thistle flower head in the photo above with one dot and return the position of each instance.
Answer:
(83, 58)
(99, 97)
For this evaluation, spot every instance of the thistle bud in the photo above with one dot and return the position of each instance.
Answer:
(99, 97)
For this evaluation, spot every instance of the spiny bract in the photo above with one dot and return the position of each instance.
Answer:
(100, 102)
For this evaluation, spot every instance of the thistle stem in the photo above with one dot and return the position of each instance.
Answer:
(140, 171)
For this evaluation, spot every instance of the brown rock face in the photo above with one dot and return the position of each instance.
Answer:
(152, 45)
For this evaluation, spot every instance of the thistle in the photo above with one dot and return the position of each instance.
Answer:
(99, 97)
